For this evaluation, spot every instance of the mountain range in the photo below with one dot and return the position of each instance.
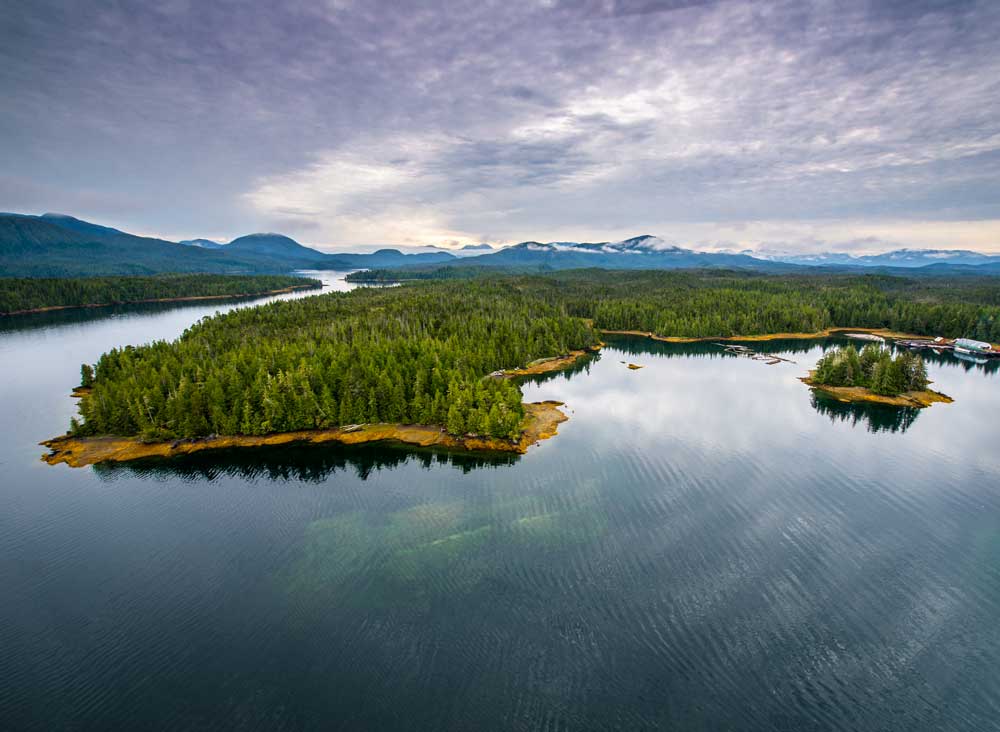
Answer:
(650, 252)
(641, 252)
(57, 245)
(894, 258)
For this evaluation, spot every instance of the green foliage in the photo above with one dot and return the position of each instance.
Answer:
(384, 275)
(414, 355)
(17, 294)
(419, 353)
(874, 368)
(719, 303)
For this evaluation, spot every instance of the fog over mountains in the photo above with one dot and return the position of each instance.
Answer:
(651, 252)
(894, 258)
(61, 245)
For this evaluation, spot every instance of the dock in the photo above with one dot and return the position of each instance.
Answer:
(768, 358)
(921, 344)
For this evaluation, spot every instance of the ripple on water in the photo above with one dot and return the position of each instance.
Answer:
(684, 555)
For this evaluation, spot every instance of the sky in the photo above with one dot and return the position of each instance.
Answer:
(777, 126)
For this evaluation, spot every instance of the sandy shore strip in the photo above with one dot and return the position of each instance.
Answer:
(542, 420)
(917, 399)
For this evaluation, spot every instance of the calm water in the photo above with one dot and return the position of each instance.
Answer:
(704, 546)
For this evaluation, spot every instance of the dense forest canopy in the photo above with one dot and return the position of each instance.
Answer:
(400, 355)
(721, 303)
(874, 368)
(382, 275)
(19, 294)
(718, 303)
(420, 353)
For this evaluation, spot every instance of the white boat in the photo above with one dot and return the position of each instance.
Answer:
(974, 348)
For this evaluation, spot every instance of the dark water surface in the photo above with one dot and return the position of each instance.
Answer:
(704, 546)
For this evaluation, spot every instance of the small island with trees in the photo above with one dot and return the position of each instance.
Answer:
(874, 375)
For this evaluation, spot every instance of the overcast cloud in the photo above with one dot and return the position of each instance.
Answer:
(791, 125)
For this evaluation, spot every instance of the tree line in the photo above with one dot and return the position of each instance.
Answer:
(721, 303)
(30, 293)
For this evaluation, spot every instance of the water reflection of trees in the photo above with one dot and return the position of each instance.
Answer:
(874, 417)
(640, 346)
(77, 316)
(304, 462)
(579, 367)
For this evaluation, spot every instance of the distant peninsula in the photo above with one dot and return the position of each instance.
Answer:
(35, 295)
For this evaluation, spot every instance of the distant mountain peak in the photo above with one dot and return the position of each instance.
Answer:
(639, 241)
(638, 252)
(647, 242)
(264, 235)
(271, 244)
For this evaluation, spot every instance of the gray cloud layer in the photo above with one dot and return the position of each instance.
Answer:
(732, 123)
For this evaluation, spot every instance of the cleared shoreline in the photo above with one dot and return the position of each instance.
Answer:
(555, 363)
(185, 298)
(541, 422)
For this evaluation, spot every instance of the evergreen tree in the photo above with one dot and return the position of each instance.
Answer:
(455, 424)
(869, 356)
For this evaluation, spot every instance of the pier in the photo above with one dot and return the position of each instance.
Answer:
(745, 351)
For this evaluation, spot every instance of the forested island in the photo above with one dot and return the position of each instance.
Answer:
(874, 375)
(376, 362)
(25, 295)
(398, 356)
